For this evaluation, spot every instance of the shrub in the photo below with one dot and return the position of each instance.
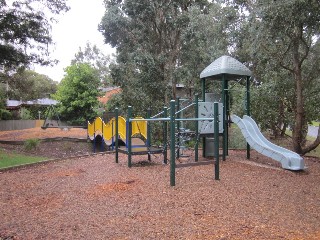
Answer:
(236, 139)
(31, 144)
(5, 114)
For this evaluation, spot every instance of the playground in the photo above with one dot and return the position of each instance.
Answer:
(144, 191)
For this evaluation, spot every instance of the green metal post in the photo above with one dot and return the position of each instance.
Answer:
(224, 112)
(178, 127)
(203, 99)
(129, 133)
(172, 144)
(165, 136)
(149, 133)
(94, 136)
(196, 147)
(102, 140)
(248, 109)
(117, 134)
(226, 147)
(216, 140)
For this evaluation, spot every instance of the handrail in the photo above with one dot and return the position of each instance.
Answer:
(185, 108)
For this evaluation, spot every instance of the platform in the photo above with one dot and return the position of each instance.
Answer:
(141, 150)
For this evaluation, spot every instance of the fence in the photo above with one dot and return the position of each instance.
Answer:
(8, 125)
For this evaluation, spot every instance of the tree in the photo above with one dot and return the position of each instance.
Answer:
(28, 85)
(162, 43)
(4, 114)
(78, 94)
(284, 37)
(148, 36)
(94, 56)
(25, 27)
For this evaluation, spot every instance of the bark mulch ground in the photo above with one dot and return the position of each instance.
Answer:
(95, 198)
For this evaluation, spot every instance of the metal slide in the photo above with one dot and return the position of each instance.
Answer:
(250, 130)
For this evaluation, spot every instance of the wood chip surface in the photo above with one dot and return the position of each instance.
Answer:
(96, 198)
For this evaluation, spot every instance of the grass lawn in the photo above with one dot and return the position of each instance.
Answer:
(316, 124)
(12, 159)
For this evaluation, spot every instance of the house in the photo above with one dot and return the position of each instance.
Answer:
(16, 106)
(108, 93)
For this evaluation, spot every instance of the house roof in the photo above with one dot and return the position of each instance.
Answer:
(108, 94)
(13, 104)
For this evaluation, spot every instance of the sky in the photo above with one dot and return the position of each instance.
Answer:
(73, 30)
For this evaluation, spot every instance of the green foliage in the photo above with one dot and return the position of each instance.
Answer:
(5, 114)
(93, 56)
(25, 114)
(25, 31)
(236, 139)
(31, 144)
(78, 94)
(159, 44)
(285, 62)
(29, 85)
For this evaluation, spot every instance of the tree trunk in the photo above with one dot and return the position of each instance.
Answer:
(299, 112)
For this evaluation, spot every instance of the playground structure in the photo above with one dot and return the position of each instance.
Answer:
(226, 69)
(288, 159)
(211, 123)
(106, 132)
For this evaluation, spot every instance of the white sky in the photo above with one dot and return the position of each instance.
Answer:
(73, 30)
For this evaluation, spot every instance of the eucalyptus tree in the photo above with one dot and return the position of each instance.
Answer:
(283, 37)
(148, 36)
(92, 55)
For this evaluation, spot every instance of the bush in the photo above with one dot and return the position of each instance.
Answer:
(236, 139)
(31, 144)
(5, 115)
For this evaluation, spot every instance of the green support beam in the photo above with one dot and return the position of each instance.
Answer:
(148, 140)
(129, 133)
(165, 136)
(117, 134)
(196, 147)
(224, 114)
(172, 144)
(248, 109)
(216, 141)
(178, 127)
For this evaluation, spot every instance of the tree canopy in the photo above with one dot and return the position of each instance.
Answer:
(25, 31)
(92, 55)
(161, 43)
(283, 45)
(28, 85)
(78, 94)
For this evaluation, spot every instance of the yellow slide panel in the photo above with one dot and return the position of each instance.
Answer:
(139, 127)
(108, 130)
